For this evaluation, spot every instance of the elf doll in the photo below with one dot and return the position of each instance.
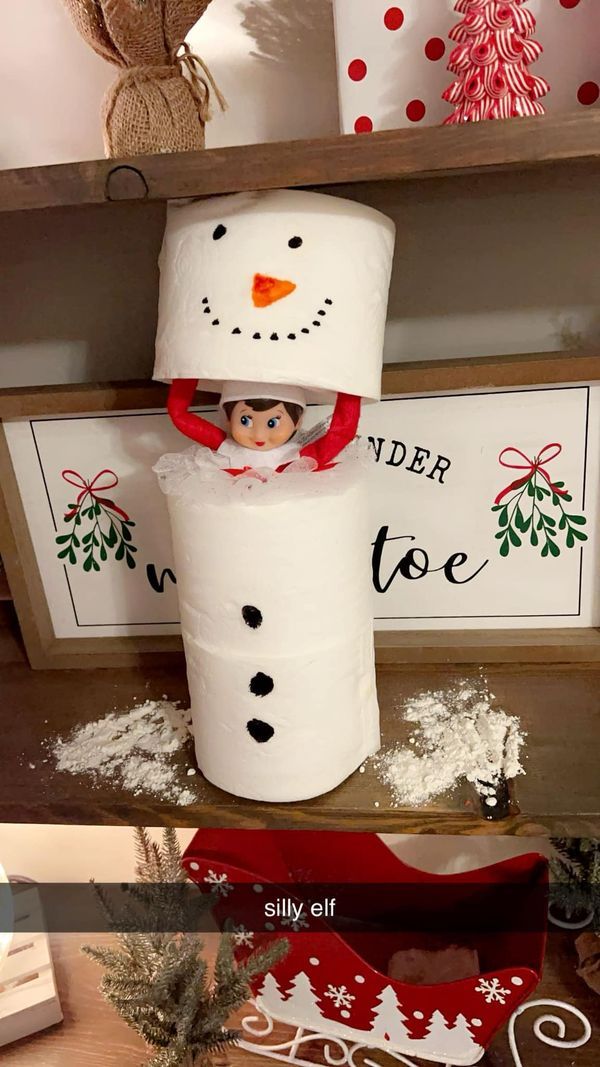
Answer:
(263, 421)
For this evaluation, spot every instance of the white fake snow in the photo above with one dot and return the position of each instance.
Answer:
(459, 734)
(133, 748)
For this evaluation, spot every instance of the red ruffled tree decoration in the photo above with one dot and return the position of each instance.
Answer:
(494, 50)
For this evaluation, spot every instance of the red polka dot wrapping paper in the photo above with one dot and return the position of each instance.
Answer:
(392, 59)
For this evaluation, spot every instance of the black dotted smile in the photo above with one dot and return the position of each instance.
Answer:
(257, 336)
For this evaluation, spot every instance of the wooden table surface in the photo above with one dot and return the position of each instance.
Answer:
(559, 709)
(92, 1035)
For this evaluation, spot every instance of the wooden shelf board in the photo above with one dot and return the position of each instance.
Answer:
(560, 794)
(93, 1035)
(5, 593)
(422, 376)
(415, 153)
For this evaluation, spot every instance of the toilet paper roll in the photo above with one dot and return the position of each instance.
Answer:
(274, 582)
(283, 286)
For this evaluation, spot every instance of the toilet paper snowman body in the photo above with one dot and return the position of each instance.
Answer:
(273, 574)
(275, 599)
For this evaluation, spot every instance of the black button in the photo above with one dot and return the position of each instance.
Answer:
(252, 616)
(261, 685)
(259, 731)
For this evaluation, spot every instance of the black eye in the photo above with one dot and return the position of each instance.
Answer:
(295, 242)
(220, 232)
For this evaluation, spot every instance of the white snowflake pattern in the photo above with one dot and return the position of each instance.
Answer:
(340, 996)
(492, 990)
(242, 937)
(295, 924)
(219, 883)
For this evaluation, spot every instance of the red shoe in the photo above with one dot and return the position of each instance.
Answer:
(335, 981)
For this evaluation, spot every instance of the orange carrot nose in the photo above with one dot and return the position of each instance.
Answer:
(267, 290)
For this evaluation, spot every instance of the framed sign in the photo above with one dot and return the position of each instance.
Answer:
(485, 519)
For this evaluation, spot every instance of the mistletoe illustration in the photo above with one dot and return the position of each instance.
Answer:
(524, 506)
(108, 526)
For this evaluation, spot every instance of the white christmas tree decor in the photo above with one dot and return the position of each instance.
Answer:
(271, 997)
(302, 1003)
(388, 1022)
(437, 1031)
(458, 1039)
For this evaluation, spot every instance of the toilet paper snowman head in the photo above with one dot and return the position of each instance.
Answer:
(284, 287)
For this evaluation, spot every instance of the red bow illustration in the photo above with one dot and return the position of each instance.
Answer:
(91, 488)
(532, 466)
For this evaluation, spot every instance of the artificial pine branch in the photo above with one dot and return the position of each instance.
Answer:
(575, 866)
(159, 983)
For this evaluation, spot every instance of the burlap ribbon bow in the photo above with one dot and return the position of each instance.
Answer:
(152, 106)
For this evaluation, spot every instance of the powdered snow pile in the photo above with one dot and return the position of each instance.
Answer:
(458, 734)
(133, 748)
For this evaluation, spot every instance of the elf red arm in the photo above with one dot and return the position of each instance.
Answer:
(181, 396)
(342, 431)
(344, 423)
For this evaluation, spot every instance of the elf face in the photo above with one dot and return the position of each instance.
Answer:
(261, 430)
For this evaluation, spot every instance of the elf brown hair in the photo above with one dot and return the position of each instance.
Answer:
(294, 410)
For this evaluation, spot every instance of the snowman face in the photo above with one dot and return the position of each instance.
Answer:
(263, 292)
(284, 286)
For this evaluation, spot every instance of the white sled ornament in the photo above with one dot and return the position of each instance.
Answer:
(286, 288)
(334, 986)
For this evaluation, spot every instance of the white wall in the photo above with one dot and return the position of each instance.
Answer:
(273, 59)
(106, 853)
(72, 853)
(484, 265)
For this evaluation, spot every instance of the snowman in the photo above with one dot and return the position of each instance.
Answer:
(274, 300)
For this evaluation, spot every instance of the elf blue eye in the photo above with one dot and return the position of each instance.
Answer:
(246, 420)
(272, 423)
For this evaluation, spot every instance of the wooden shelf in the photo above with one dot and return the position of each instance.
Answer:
(93, 1035)
(422, 376)
(5, 593)
(560, 794)
(396, 154)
